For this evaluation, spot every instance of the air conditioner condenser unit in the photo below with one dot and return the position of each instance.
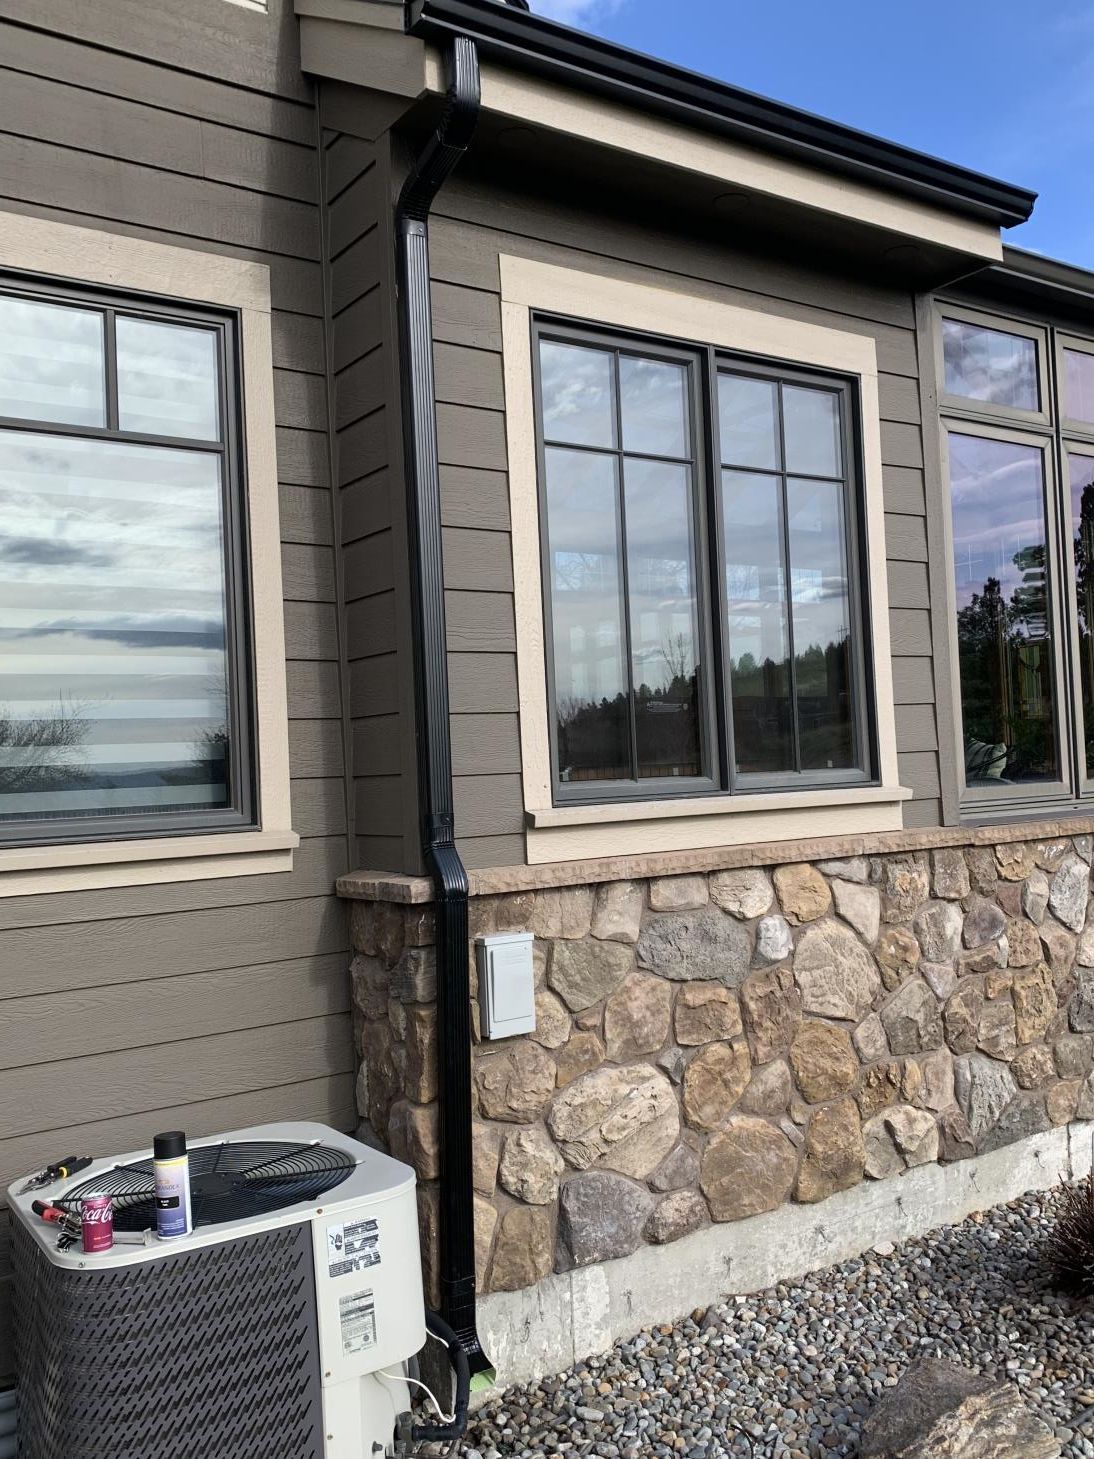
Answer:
(279, 1328)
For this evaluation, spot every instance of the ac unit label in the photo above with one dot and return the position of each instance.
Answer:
(357, 1317)
(353, 1247)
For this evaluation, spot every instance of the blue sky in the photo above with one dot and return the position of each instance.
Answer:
(1003, 86)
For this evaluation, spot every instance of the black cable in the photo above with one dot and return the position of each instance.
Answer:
(439, 1433)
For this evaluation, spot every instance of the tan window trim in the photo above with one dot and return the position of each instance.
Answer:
(573, 832)
(67, 252)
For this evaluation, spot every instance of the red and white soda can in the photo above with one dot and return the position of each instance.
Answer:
(97, 1222)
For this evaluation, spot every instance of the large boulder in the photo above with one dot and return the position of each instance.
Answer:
(941, 1411)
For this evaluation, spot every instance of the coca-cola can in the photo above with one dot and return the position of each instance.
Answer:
(97, 1223)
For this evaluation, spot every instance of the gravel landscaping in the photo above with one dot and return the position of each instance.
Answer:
(792, 1371)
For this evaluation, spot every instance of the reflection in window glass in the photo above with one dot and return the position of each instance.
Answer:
(578, 405)
(1004, 628)
(112, 629)
(1081, 476)
(748, 417)
(1079, 385)
(811, 426)
(990, 365)
(591, 687)
(167, 379)
(821, 606)
(653, 403)
(51, 363)
(759, 636)
(623, 582)
(663, 615)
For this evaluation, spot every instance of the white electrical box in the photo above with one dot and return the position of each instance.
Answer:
(507, 985)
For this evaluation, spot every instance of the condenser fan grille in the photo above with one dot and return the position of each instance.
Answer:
(229, 1181)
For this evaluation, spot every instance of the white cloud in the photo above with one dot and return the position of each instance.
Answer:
(577, 12)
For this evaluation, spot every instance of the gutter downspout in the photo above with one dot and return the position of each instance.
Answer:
(433, 166)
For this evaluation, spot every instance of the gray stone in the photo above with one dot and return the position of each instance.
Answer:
(745, 892)
(940, 978)
(984, 922)
(851, 868)
(1074, 1054)
(860, 906)
(585, 972)
(703, 945)
(950, 873)
(617, 912)
(835, 975)
(913, 1019)
(1083, 845)
(984, 1088)
(1069, 891)
(774, 942)
(1082, 1006)
(678, 893)
(962, 1015)
(936, 1091)
(996, 1034)
(601, 1217)
(1035, 890)
(679, 1169)
(899, 1139)
(870, 1040)
(677, 1215)
(1026, 1115)
(904, 885)
(1084, 1109)
(530, 1166)
(941, 1411)
(938, 925)
(623, 1119)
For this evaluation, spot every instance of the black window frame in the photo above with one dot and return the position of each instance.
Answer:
(243, 813)
(705, 363)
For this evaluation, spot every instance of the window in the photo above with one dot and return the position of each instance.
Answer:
(701, 570)
(1020, 456)
(124, 676)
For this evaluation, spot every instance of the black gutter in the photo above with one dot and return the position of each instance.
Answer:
(532, 43)
(436, 161)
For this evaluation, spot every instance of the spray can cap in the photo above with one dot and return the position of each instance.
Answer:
(169, 1146)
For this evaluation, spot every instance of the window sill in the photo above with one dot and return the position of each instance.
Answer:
(627, 828)
(35, 870)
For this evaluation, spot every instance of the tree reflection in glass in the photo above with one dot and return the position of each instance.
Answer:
(1081, 474)
(1004, 628)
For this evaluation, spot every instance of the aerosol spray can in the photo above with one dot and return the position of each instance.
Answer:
(171, 1169)
(97, 1223)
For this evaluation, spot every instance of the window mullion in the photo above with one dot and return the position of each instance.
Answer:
(784, 522)
(110, 343)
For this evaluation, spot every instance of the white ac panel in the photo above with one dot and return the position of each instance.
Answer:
(365, 1308)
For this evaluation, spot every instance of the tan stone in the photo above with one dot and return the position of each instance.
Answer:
(913, 1019)
(1061, 1101)
(581, 1055)
(514, 911)
(747, 1169)
(1034, 1067)
(860, 906)
(961, 1016)
(769, 1091)
(891, 1082)
(622, 1119)
(823, 1061)
(904, 885)
(421, 1054)
(998, 984)
(1014, 860)
(996, 1034)
(563, 912)
(870, 1039)
(1023, 943)
(515, 1086)
(803, 892)
(705, 1013)
(936, 1090)
(637, 1017)
(950, 873)
(676, 1215)
(423, 1140)
(386, 1062)
(899, 1139)
(486, 1219)
(836, 976)
(617, 911)
(897, 953)
(524, 1249)
(988, 958)
(834, 1157)
(552, 1020)
(584, 972)
(485, 1152)
(714, 1081)
(678, 893)
(745, 893)
(530, 1166)
(1035, 1003)
(771, 1008)
(1059, 946)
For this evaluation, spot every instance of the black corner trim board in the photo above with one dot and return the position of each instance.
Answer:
(511, 34)
(435, 162)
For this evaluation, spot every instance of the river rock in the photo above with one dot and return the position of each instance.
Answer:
(701, 945)
(939, 1410)
(835, 975)
(601, 1217)
(747, 1169)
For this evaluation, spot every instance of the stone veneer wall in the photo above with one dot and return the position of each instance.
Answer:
(711, 1045)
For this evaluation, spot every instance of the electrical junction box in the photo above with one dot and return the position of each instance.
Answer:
(507, 991)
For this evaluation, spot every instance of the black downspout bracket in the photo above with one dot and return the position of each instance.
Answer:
(434, 164)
